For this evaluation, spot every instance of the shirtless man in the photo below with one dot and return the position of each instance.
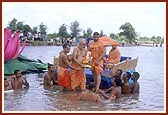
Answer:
(78, 78)
(17, 81)
(126, 88)
(62, 70)
(136, 87)
(6, 85)
(49, 77)
(118, 73)
(115, 90)
(89, 95)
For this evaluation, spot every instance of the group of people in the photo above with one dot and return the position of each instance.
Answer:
(76, 78)
(16, 83)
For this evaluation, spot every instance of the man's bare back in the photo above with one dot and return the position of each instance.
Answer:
(89, 96)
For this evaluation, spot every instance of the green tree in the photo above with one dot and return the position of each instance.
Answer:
(101, 33)
(112, 35)
(20, 26)
(42, 29)
(162, 40)
(27, 28)
(89, 33)
(35, 30)
(128, 32)
(84, 34)
(158, 39)
(63, 31)
(13, 25)
(75, 29)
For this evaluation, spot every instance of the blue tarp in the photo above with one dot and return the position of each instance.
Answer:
(105, 81)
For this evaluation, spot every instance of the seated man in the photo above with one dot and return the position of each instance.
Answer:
(115, 89)
(6, 85)
(126, 88)
(114, 55)
(135, 88)
(49, 77)
(17, 81)
(89, 95)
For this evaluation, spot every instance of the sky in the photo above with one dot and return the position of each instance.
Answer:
(148, 18)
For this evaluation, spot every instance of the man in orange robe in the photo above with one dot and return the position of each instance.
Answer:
(98, 52)
(78, 78)
(114, 55)
(62, 70)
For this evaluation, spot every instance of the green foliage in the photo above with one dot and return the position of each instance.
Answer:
(20, 26)
(88, 34)
(51, 36)
(35, 30)
(101, 33)
(75, 29)
(42, 28)
(112, 35)
(63, 31)
(84, 34)
(153, 39)
(128, 32)
(27, 28)
(12, 25)
(119, 38)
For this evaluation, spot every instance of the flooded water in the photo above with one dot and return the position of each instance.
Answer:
(37, 98)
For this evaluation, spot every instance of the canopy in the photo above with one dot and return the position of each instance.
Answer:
(103, 41)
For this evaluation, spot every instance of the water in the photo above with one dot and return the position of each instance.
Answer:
(37, 98)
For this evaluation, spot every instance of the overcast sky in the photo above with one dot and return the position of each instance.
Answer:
(148, 19)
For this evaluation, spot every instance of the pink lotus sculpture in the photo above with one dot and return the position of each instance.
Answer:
(12, 45)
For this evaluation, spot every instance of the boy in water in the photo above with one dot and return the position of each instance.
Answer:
(135, 88)
(6, 85)
(115, 90)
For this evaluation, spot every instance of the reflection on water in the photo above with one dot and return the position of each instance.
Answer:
(39, 98)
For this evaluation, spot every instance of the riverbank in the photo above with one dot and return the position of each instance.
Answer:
(41, 43)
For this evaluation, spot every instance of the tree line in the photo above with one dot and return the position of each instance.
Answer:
(128, 33)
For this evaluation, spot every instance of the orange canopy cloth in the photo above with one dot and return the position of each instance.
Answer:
(103, 41)
(63, 77)
(78, 78)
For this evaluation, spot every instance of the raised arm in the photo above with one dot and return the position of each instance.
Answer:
(24, 82)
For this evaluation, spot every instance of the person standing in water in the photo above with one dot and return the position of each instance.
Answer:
(98, 52)
(62, 70)
(17, 82)
(78, 78)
